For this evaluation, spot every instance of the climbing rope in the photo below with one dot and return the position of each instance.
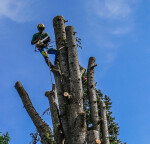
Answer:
(50, 72)
(51, 77)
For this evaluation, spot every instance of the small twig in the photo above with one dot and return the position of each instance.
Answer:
(93, 66)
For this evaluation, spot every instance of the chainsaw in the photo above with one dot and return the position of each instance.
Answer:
(40, 42)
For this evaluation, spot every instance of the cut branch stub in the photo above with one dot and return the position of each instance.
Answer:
(66, 94)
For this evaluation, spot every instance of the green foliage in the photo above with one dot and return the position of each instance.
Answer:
(36, 137)
(112, 125)
(4, 138)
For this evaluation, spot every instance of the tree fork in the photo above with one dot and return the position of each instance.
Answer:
(92, 94)
(41, 126)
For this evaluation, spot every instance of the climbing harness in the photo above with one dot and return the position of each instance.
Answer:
(37, 49)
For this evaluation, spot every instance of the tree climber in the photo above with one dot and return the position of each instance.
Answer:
(41, 40)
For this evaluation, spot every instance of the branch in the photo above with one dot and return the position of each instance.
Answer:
(92, 94)
(105, 133)
(58, 131)
(41, 126)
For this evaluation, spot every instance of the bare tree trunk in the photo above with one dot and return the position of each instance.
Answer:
(105, 134)
(58, 131)
(63, 79)
(76, 115)
(41, 126)
(92, 95)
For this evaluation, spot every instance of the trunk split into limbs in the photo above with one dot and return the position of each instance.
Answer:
(66, 97)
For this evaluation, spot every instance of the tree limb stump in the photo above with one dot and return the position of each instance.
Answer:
(58, 130)
(41, 126)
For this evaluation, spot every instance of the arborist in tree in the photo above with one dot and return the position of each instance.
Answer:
(41, 40)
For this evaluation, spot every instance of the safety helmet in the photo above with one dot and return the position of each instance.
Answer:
(40, 26)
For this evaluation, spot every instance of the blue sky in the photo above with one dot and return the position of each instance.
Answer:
(115, 32)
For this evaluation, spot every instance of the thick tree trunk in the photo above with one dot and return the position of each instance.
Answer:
(105, 133)
(41, 126)
(76, 115)
(58, 131)
(62, 79)
(92, 95)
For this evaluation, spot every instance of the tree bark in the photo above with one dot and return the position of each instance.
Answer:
(76, 115)
(62, 79)
(41, 126)
(60, 36)
(92, 95)
(58, 131)
(105, 134)
(93, 137)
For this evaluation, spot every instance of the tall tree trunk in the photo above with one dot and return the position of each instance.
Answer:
(41, 126)
(105, 134)
(63, 78)
(76, 115)
(92, 94)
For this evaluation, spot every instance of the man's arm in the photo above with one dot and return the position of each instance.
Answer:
(34, 42)
(34, 39)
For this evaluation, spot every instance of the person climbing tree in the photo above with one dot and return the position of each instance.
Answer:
(41, 40)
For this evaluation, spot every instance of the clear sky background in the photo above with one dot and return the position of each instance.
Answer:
(116, 32)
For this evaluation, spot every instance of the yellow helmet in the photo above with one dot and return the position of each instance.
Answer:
(40, 26)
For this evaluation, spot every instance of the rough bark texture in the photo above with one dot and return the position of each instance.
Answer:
(92, 94)
(58, 131)
(76, 115)
(41, 126)
(93, 137)
(63, 79)
(105, 134)
(60, 36)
